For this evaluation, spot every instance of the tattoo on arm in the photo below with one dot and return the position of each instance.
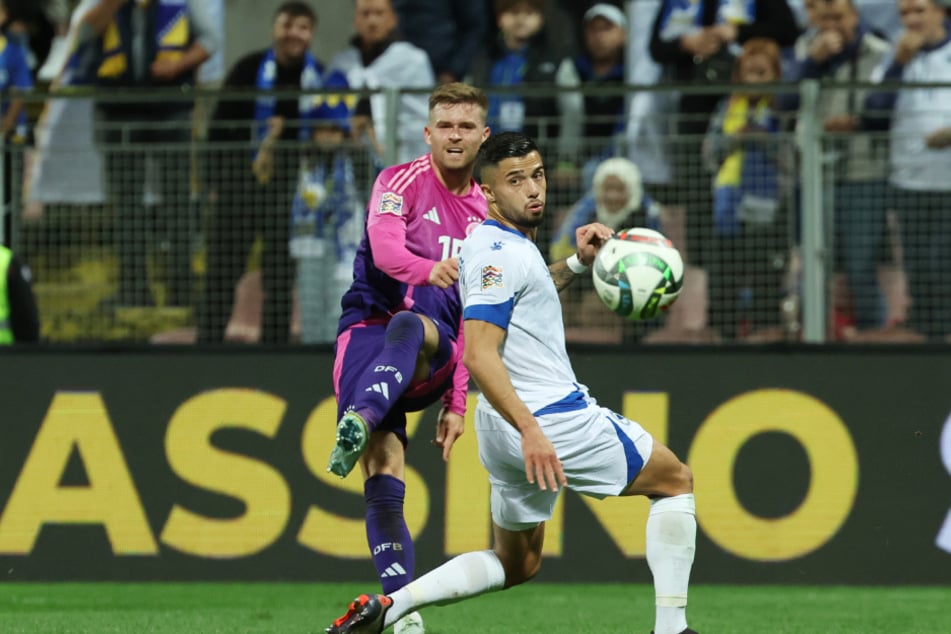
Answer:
(561, 275)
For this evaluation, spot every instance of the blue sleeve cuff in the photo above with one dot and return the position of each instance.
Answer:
(497, 314)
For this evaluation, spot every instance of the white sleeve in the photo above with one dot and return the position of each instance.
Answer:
(490, 280)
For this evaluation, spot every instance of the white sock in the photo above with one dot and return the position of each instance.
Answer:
(671, 541)
(467, 575)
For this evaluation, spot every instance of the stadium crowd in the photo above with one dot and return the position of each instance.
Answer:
(243, 213)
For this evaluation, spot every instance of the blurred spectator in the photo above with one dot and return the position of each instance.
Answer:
(686, 35)
(650, 112)
(520, 57)
(795, 56)
(155, 45)
(747, 153)
(694, 41)
(19, 317)
(844, 49)
(14, 74)
(28, 23)
(326, 229)
(575, 10)
(255, 193)
(376, 59)
(592, 121)
(921, 159)
(68, 167)
(563, 24)
(881, 16)
(451, 32)
(563, 20)
(211, 73)
(616, 199)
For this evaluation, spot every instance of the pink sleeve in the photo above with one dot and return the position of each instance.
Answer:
(387, 235)
(455, 398)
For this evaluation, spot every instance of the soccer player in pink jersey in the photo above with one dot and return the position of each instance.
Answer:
(399, 341)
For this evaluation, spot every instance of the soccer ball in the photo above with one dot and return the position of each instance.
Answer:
(638, 273)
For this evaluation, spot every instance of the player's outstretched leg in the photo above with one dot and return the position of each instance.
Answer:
(352, 436)
(378, 387)
(466, 575)
(364, 616)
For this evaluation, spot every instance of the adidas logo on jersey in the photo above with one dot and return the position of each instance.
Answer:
(432, 216)
(395, 570)
(380, 388)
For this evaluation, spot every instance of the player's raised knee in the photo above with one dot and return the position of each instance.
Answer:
(404, 324)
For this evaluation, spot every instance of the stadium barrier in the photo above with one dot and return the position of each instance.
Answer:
(811, 466)
(781, 279)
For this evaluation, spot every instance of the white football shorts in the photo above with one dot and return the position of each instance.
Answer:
(600, 450)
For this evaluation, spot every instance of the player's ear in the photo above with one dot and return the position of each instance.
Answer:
(487, 190)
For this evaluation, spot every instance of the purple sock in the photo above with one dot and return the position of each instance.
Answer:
(390, 372)
(389, 539)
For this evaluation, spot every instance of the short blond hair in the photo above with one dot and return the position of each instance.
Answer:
(458, 92)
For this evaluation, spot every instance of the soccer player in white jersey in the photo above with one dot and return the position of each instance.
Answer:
(538, 429)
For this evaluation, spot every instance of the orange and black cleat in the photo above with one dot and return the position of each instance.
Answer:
(364, 616)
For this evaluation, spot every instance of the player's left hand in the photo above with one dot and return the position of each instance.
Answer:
(444, 273)
(449, 426)
(589, 239)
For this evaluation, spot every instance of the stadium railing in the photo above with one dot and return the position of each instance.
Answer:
(778, 273)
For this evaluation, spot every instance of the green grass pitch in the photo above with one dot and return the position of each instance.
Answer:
(198, 608)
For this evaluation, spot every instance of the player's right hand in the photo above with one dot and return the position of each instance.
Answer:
(590, 238)
(444, 273)
(542, 465)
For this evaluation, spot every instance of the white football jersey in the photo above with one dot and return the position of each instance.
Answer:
(505, 281)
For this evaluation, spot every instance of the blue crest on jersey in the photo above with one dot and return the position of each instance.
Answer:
(497, 246)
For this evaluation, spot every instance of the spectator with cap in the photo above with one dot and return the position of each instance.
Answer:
(592, 120)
